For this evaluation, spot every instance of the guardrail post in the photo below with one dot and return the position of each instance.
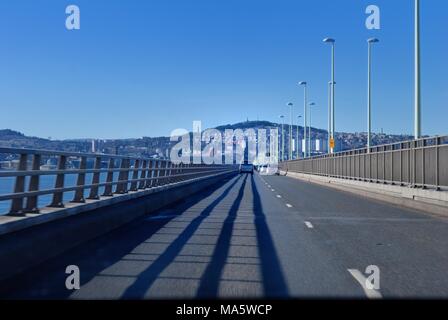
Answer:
(333, 164)
(142, 182)
(384, 165)
(350, 165)
(170, 165)
(437, 164)
(415, 164)
(156, 173)
(123, 177)
(163, 173)
(19, 187)
(149, 182)
(81, 182)
(58, 199)
(409, 154)
(358, 156)
(95, 180)
(353, 164)
(109, 179)
(377, 160)
(423, 164)
(167, 172)
(135, 176)
(392, 165)
(31, 201)
(176, 172)
(126, 184)
(364, 156)
(152, 172)
(401, 164)
(32, 205)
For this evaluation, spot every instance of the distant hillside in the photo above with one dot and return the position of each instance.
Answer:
(346, 141)
(14, 139)
(10, 134)
(248, 124)
(160, 146)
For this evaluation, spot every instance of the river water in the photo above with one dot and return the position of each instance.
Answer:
(45, 183)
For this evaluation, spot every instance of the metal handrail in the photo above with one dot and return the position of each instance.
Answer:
(144, 173)
(416, 163)
(46, 152)
(88, 186)
(74, 171)
(373, 148)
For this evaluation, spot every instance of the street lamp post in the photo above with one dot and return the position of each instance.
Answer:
(370, 42)
(332, 42)
(305, 114)
(290, 105)
(282, 156)
(417, 111)
(297, 134)
(312, 104)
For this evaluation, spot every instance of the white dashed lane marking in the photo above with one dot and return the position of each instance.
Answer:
(309, 224)
(370, 293)
(288, 205)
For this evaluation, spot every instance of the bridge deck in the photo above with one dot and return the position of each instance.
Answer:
(257, 237)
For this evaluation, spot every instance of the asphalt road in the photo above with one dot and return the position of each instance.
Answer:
(257, 237)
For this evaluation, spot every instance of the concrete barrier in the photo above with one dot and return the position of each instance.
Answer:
(430, 201)
(26, 242)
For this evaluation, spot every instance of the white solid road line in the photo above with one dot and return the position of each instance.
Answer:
(279, 196)
(272, 190)
(288, 205)
(370, 293)
(309, 224)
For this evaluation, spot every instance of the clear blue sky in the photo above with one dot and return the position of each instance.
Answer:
(143, 68)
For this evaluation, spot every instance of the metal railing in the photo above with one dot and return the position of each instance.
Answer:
(417, 163)
(93, 176)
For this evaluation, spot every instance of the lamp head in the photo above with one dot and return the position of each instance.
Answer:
(302, 83)
(329, 40)
(373, 40)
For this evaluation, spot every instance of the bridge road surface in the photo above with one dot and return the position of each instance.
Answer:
(257, 237)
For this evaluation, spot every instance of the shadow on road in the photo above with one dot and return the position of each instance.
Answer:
(144, 281)
(274, 283)
(209, 284)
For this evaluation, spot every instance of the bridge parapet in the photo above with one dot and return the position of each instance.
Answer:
(48, 216)
(94, 176)
(418, 163)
